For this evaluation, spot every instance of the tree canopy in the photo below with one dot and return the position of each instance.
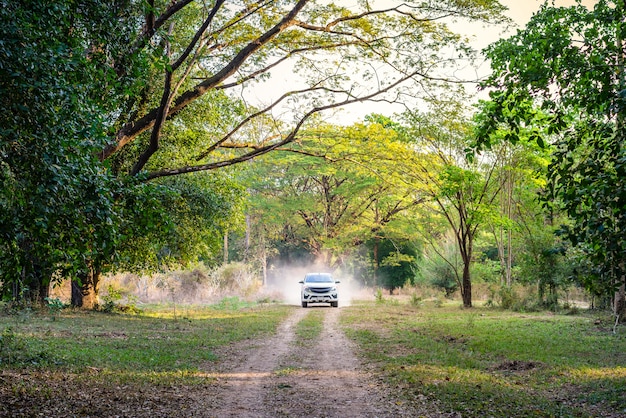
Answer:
(564, 75)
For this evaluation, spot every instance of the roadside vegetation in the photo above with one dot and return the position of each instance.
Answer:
(483, 362)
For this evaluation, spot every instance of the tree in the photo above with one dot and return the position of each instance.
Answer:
(396, 263)
(569, 63)
(57, 207)
(341, 55)
(122, 74)
(462, 190)
(333, 191)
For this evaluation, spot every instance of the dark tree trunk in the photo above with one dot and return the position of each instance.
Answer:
(466, 243)
(85, 289)
(466, 291)
(34, 285)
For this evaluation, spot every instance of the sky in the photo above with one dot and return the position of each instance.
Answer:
(522, 10)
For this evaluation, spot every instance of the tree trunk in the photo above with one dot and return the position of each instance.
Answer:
(466, 290)
(85, 289)
(226, 247)
(246, 252)
(466, 242)
(264, 265)
(619, 298)
(34, 285)
(376, 263)
(619, 302)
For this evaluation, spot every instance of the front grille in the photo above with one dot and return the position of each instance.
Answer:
(320, 289)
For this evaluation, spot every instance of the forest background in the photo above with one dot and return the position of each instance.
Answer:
(131, 144)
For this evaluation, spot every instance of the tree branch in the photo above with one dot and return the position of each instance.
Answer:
(288, 139)
(131, 130)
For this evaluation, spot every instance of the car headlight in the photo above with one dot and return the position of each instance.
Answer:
(333, 289)
(307, 288)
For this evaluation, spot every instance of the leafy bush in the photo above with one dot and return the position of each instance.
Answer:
(515, 298)
(441, 275)
(507, 297)
(416, 300)
(55, 306)
(487, 271)
(112, 301)
(379, 296)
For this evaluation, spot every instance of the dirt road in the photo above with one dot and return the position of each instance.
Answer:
(279, 378)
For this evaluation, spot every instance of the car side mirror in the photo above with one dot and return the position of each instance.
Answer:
(301, 281)
(337, 281)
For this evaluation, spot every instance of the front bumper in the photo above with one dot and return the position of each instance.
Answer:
(312, 297)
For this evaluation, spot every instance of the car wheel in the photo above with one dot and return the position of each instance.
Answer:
(334, 304)
(304, 304)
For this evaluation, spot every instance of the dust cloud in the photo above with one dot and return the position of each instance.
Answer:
(204, 286)
(283, 282)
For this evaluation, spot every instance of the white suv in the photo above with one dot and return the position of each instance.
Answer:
(319, 288)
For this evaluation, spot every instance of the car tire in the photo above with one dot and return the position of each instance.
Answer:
(305, 304)
(334, 304)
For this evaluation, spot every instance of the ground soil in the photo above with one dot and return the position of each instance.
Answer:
(278, 377)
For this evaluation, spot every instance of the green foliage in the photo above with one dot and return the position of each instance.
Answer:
(379, 296)
(557, 77)
(110, 299)
(55, 306)
(57, 204)
(336, 190)
(441, 270)
(507, 297)
(113, 298)
(398, 263)
(486, 271)
(416, 300)
(179, 221)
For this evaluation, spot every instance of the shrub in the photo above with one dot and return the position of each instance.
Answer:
(507, 297)
(379, 296)
(55, 306)
(112, 301)
(237, 278)
(416, 300)
(443, 277)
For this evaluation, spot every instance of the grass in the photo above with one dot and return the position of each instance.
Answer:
(152, 346)
(310, 327)
(481, 362)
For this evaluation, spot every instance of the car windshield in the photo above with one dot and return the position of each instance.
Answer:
(319, 278)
